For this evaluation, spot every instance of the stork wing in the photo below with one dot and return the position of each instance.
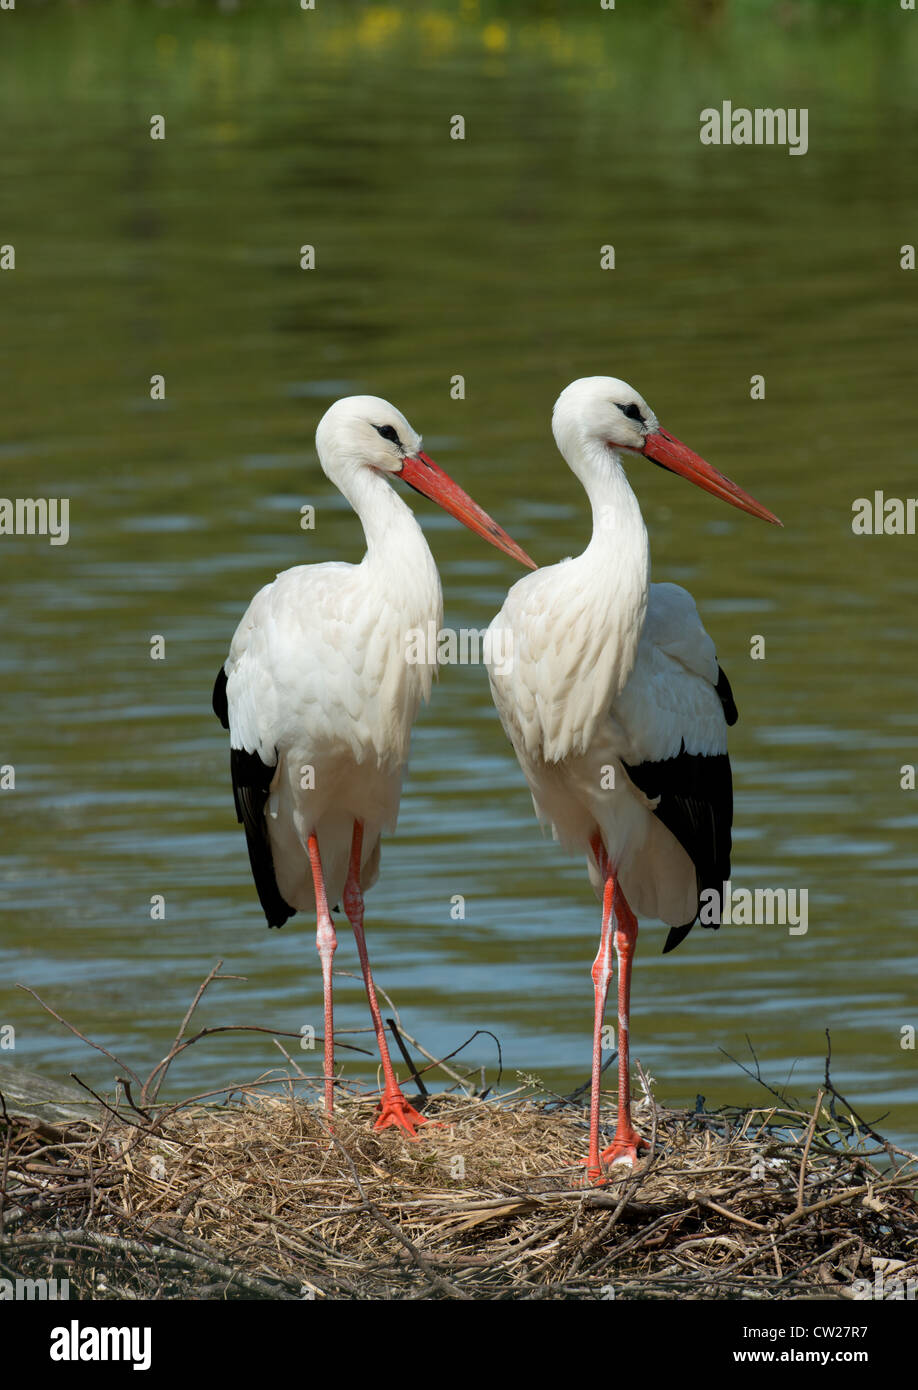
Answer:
(252, 767)
(251, 786)
(313, 667)
(674, 712)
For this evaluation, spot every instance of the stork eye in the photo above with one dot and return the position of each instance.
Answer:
(632, 411)
(388, 432)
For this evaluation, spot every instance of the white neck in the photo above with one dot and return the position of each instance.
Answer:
(619, 542)
(398, 565)
(613, 573)
(393, 595)
(392, 532)
(618, 526)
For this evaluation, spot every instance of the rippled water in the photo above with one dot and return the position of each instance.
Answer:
(438, 257)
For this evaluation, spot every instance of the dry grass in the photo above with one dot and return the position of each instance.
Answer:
(259, 1199)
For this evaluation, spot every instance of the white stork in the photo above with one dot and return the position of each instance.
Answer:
(618, 711)
(319, 696)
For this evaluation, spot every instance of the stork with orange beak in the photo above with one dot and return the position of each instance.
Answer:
(618, 710)
(319, 697)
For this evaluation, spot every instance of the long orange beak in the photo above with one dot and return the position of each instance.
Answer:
(669, 452)
(428, 478)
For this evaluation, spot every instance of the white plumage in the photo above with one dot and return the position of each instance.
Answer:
(616, 714)
(318, 684)
(615, 704)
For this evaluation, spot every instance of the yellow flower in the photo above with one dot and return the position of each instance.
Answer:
(494, 37)
(379, 24)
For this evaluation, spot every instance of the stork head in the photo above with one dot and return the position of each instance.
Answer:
(365, 432)
(601, 413)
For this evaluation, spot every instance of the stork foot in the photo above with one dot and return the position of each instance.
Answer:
(625, 1148)
(394, 1109)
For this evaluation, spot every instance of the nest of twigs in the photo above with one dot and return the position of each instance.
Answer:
(261, 1199)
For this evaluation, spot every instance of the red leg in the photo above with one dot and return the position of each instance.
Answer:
(627, 1142)
(614, 908)
(602, 974)
(394, 1108)
(327, 944)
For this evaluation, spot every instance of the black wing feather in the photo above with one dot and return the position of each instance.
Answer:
(218, 700)
(251, 784)
(725, 694)
(696, 806)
